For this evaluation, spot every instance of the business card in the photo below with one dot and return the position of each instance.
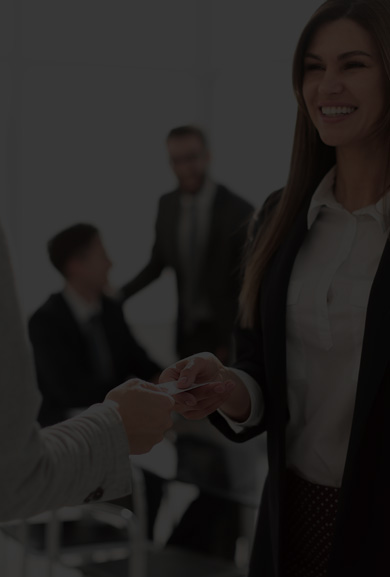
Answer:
(172, 389)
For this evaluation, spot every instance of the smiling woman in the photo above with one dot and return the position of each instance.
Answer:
(342, 62)
(344, 83)
(312, 367)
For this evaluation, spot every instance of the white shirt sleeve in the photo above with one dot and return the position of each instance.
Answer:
(257, 403)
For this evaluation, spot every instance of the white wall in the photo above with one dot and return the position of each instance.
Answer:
(107, 81)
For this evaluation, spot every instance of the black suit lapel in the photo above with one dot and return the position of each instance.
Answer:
(273, 305)
(273, 323)
(368, 444)
(375, 355)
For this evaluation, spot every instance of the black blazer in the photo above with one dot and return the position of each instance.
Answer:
(220, 274)
(64, 371)
(362, 537)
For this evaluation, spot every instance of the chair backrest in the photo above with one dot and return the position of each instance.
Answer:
(134, 521)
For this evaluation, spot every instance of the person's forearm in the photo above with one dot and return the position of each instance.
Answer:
(84, 457)
(238, 406)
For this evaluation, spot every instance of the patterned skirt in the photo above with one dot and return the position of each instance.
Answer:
(309, 525)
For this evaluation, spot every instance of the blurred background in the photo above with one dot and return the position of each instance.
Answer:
(89, 91)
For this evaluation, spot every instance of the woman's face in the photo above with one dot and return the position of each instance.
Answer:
(344, 84)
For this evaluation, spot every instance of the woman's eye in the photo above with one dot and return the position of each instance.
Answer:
(354, 65)
(309, 67)
(313, 67)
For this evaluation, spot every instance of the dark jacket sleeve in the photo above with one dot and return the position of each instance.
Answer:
(152, 270)
(249, 342)
(60, 379)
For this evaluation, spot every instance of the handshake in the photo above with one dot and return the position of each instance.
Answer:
(146, 408)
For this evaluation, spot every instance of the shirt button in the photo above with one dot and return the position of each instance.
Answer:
(95, 496)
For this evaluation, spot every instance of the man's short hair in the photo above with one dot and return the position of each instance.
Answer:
(188, 130)
(69, 243)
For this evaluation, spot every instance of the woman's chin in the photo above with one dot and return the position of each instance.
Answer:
(334, 140)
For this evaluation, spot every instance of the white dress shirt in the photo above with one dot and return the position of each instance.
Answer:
(82, 310)
(326, 308)
(86, 313)
(196, 305)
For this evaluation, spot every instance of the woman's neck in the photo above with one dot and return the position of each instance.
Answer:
(362, 176)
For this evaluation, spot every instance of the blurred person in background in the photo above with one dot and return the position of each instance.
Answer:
(83, 346)
(200, 233)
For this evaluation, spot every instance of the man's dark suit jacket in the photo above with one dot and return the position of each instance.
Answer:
(362, 538)
(220, 274)
(64, 370)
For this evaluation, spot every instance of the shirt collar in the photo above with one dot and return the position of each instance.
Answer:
(323, 196)
(81, 309)
(204, 195)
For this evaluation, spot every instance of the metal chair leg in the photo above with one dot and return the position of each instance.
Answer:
(52, 540)
(24, 540)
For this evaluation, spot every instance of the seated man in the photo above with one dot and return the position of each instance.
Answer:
(81, 342)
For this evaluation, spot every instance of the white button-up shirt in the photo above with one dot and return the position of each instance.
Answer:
(82, 310)
(326, 308)
(203, 201)
(196, 305)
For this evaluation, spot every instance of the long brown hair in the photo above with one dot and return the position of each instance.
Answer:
(311, 159)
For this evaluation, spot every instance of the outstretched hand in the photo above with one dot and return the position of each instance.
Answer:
(201, 402)
(145, 411)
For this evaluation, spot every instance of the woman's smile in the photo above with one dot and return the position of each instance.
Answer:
(336, 113)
